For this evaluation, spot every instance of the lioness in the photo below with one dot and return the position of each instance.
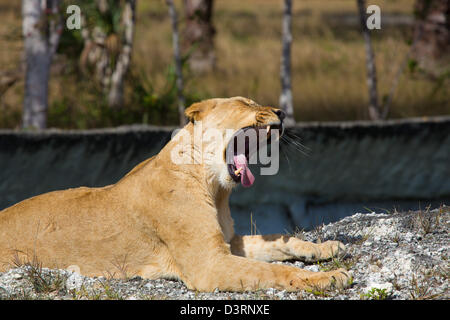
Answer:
(168, 220)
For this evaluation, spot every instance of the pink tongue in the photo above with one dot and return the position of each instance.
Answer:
(247, 178)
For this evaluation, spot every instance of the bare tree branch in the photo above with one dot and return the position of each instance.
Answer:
(199, 34)
(178, 65)
(286, 101)
(374, 109)
(41, 30)
(432, 36)
(390, 97)
(116, 90)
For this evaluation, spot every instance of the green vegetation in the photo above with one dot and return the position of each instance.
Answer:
(376, 294)
(328, 65)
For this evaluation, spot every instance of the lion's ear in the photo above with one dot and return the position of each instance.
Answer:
(193, 112)
(197, 110)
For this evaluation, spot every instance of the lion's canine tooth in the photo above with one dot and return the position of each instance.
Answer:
(268, 129)
(238, 171)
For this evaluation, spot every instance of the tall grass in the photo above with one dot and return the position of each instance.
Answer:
(328, 64)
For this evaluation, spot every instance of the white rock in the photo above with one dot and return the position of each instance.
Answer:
(281, 294)
(313, 268)
(374, 268)
(17, 276)
(270, 291)
(409, 237)
(149, 285)
(74, 281)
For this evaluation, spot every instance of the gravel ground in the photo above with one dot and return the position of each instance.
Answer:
(391, 256)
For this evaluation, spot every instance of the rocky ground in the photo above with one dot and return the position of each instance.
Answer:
(391, 256)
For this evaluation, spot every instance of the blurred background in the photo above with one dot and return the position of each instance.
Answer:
(227, 48)
(365, 89)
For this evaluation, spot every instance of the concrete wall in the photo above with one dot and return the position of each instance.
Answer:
(349, 167)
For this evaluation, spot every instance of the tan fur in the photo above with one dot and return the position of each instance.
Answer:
(164, 220)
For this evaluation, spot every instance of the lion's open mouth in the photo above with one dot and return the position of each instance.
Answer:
(242, 147)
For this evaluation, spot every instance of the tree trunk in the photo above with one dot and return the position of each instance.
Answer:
(178, 65)
(41, 30)
(286, 101)
(199, 34)
(115, 96)
(109, 54)
(374, 109)
(432, 35)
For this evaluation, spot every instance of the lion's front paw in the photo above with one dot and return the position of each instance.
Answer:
(320, 281)
(337, 279)
(311, 252)
(330, 249)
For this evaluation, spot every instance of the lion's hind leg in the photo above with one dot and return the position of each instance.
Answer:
(161, 265)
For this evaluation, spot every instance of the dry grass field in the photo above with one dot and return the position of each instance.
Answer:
(328, 64)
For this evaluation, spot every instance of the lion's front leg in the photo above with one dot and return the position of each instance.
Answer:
(276, 247)
(233, 273)
(208, 268)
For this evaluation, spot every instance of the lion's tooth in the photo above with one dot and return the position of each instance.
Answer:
(238, 171)
(268, 129)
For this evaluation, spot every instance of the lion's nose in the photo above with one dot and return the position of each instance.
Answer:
(280, 113)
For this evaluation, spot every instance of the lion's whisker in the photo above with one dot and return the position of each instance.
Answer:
(287, 159)
(296, 145)
(296, 139)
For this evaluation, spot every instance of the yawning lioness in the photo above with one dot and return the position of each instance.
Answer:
(171, 220)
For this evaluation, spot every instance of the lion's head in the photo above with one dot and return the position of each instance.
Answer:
(241, 126)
